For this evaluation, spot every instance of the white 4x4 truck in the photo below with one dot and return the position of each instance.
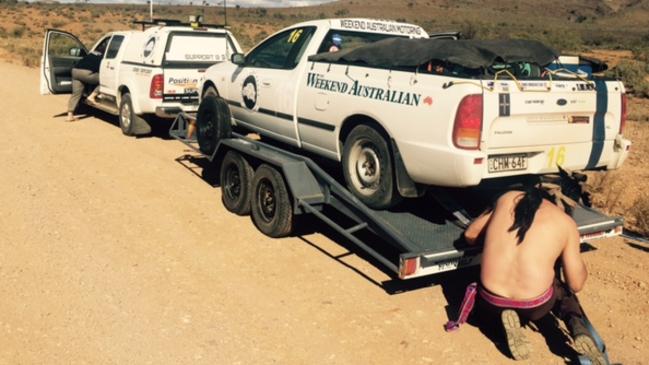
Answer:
(402, 112)
(153, 71)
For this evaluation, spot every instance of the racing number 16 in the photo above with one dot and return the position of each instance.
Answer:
(556, 156)
(295, 35)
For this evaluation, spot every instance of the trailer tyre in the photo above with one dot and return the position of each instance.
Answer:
(368, 168)
(127, 117)
(213, 123)
(272, 210)
(236, 179)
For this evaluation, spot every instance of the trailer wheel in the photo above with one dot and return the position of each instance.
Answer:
(236, 179)
(271, 206)
(127, 115)
(213, 123)
(368, 168)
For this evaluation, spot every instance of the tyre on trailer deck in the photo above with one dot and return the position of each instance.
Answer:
(368, 168)
(236, 183)
(213, 123)
(271, 206)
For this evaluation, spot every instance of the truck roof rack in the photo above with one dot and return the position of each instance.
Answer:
(176, 22)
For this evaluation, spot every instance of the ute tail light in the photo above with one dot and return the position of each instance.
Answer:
(623, 114)
(468, 123)
(157, 87)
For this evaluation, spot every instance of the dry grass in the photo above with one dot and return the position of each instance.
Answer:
(623, 192)
(640, 213)
(606, 188)
(569, 25)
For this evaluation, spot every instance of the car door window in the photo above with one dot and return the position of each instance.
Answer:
(64, 45)
(281, 51)
(113, 48)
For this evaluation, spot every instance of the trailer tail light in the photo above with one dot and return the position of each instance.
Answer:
(468, 123)
(623, 114)
(157, 87)
(408, 267)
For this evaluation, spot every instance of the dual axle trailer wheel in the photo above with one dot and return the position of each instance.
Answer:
(262, 193)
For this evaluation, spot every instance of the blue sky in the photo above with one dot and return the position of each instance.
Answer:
(246, 3)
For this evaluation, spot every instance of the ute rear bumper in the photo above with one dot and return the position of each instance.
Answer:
(451, 167)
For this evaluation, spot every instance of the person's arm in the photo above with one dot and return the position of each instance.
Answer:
(574, 269)
(477, 227)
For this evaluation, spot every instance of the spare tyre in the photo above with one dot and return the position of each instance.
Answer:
(213, 123)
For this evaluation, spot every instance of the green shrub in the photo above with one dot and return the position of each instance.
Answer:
(633, 74)
(18, 32)
(640, 213)
(341, 13)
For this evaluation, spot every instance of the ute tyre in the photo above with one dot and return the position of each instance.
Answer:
(127, 117)
(236, 182)
(368, 168)
(213, 123)
(271, 206)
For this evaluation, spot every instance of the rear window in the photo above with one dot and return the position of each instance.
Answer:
(198, 47)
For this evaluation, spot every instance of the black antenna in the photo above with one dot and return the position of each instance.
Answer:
(225, 12)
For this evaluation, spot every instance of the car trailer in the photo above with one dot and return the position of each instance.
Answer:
(276, 185)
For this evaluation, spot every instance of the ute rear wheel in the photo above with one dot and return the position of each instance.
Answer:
(368, 168)
(236, 182)
(213, 123)
(271, 206)
(127, 116)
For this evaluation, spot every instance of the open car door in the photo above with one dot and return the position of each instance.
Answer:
(61, 51)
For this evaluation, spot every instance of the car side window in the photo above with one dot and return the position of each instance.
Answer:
(281, 51)
(64, 45)
(113, 47)
(340, 39)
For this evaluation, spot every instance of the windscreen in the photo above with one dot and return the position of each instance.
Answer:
(205, 47)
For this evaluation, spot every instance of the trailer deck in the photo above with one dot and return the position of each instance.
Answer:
(426, 234)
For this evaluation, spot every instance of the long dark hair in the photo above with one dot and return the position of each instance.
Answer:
(525, 210)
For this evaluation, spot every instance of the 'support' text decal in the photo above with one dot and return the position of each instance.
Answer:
(357, 89)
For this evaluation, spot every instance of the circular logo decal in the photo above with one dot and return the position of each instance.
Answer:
(562, 102)
(249, 92)
(148, 48)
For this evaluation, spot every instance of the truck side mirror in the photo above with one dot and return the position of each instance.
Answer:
(238, 59)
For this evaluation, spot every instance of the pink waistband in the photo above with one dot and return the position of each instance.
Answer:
(499, 301)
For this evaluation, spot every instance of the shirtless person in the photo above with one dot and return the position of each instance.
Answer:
(524, 235)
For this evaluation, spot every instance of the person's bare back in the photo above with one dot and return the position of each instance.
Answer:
(524, 235)
(525, 270)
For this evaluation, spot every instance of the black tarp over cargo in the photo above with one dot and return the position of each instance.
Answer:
(473, 54)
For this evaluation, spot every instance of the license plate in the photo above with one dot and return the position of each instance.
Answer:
(507, 163)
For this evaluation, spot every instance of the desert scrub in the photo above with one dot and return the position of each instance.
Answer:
(634, 74)
(606, 190)
(30, 57)
(640, 214)
(18, 32)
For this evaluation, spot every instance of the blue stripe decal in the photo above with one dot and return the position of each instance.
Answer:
(599, 132)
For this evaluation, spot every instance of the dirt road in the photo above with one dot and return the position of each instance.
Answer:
(111, 252)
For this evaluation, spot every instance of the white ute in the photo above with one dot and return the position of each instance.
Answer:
(397, 130)
(153, 71)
